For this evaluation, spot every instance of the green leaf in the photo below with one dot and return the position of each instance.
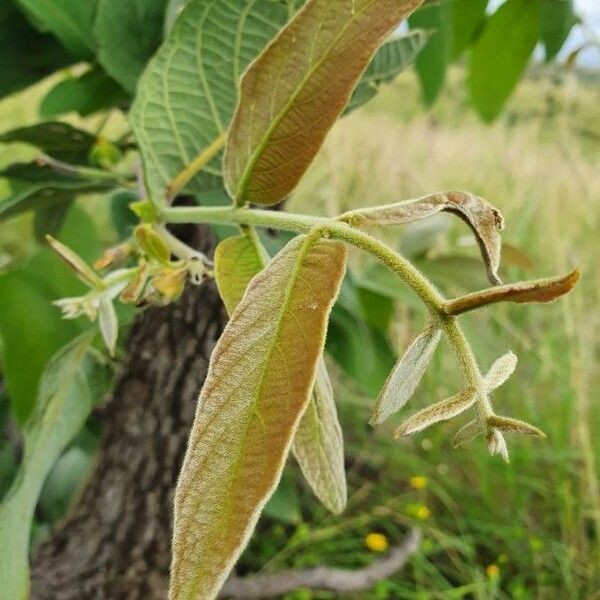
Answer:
(173, 10)
(29, 325)
(27, 55)
(49, 220)
(237, 260)
(432, 61)
(187, 94)
(468, 17)
(128, 32)
(318, 444)
(501, 54)
(284, 504)
(84, 94)
(557, 18)
(67, 393)
(59, 140)
(69, 20)
(293, 93)
(258, 385)
(407, 374)
(391, 59)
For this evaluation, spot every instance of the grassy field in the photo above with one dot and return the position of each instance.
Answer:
(527, 530)
(530, 529)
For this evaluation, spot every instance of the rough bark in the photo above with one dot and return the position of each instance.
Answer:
(115, 543)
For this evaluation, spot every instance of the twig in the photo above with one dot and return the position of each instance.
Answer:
(322, 578)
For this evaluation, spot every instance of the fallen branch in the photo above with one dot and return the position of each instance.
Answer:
(323, 578)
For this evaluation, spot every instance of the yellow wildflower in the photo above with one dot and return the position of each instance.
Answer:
(422, 512)
(376, 542)
(492, 571)
(418, 482)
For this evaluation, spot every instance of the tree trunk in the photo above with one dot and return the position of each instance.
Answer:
(115, 543)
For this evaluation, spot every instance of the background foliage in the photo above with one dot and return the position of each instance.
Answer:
(542, 151)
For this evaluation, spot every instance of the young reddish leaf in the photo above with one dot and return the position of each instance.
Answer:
(406, 375)
(511, 425)
(485, 220)
(440, 411)
(258, 385)
(541, 290)
(500, 371)
(296, 89)
(467, 432)
(318, 444)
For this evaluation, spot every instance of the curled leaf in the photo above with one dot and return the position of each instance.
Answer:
(541, 290)
(496, 443)
(258, 385)
(510, 425)
(295, 90)
(76, 263)
(500, 371)
(467, 432)
(151, 243)
(485, 221)
(319, 445)
(406, 375)
(440, 411)
(108, 323)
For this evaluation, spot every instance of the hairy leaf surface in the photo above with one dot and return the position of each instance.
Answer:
(293, 93)
(318, 443)
(258, 385)
(187, 94)
(440, 411)
(485, 221)
(500, 371)
(406, 375)
(541, 290)
(467, 432)
(68, 389)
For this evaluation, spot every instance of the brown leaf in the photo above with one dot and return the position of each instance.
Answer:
(258, 385)
(296, 89)
(541, 290)
(485, 221)
(440, 411)
(511, 425)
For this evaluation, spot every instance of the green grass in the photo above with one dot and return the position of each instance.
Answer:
(537, 519)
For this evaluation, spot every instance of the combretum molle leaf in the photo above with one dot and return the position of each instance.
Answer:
(296, 89)
(485, 220)
(318, 444)
(406, 375)
(258, 385)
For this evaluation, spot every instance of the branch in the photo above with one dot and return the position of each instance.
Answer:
(323, 578)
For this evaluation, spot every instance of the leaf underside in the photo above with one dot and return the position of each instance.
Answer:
(406, 375)
(318, 444)
(293, 93)
(258, 385)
